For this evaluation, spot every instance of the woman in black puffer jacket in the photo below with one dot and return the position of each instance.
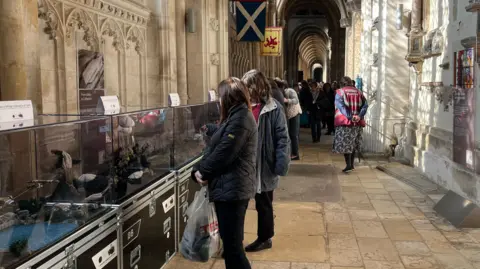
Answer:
(228, 167)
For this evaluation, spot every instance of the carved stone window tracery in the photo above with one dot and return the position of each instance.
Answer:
(96, 18)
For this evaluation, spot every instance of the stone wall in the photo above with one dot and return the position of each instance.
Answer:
(428, 143)
(146, 47)
(385, 73)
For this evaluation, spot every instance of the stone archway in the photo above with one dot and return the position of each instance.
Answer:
(324, 19)
(344, 19)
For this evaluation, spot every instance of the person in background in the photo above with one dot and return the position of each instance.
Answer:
(273, 153)
(293, 116)
(330, 111)
(351, 107)
(277, 93)
(335, 86)
(296, 88)
(228, 168)
(316, 112)
(305, 98)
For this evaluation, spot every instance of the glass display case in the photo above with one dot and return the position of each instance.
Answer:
(59, 173)
(189, 137)
(54, 179)
(142, 148)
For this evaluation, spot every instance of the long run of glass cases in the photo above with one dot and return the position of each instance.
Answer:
(65, 171)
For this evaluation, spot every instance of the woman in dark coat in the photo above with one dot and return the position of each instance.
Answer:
(228, 167)
(273, 153)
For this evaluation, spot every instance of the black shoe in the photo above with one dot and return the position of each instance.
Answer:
(348, 159)
(259, 245)
(295, 158)
(352, 160)
(223, 255)
(347, 169)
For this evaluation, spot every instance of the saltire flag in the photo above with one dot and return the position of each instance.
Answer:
(251, 20)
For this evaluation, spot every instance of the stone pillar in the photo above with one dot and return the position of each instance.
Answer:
(416, 16)
(181, 45)
(18, 49)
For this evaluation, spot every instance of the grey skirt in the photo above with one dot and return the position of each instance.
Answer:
(347, 139)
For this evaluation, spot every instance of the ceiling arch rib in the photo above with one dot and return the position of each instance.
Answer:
(337, 14)
(313, 48)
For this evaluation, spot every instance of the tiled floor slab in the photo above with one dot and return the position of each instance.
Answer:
(401, 230)
(291, 248)
(369, 228)
(303, 265)
(292, 219)
(377, 249)
(412, 248)
(345, 257)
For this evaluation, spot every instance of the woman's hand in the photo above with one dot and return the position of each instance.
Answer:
(285, 100)
(355, 118)
(198, 177)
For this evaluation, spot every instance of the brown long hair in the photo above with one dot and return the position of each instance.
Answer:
(258, 85)
(232, 92)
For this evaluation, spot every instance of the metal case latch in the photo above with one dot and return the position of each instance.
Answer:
(152, 208)
(71, 260)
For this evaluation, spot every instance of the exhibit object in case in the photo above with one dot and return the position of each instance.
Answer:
(94, 246)
(189, 136)
(53, 176)
(142, 146)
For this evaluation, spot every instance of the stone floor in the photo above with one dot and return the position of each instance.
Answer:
(367, 219)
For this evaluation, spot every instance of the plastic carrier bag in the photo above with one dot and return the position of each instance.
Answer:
(201, 240)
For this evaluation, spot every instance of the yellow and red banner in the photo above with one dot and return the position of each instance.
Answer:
(272, 46)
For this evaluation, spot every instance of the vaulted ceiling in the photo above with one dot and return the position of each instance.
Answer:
(314, 49)
(335, 8)
(315, 33)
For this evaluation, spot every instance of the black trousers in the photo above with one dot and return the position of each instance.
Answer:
(330, 123)
(316, 127)
(294, 131)
(231, 221)
(264, 206)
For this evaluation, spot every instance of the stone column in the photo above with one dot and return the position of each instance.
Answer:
(181, 50)
(18, 49)
(416, 16)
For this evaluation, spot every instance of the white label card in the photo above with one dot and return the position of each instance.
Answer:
(469, 157)
(212, 96)
(16, 124)
(108, 105)
(173, 99)
(12, 111)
